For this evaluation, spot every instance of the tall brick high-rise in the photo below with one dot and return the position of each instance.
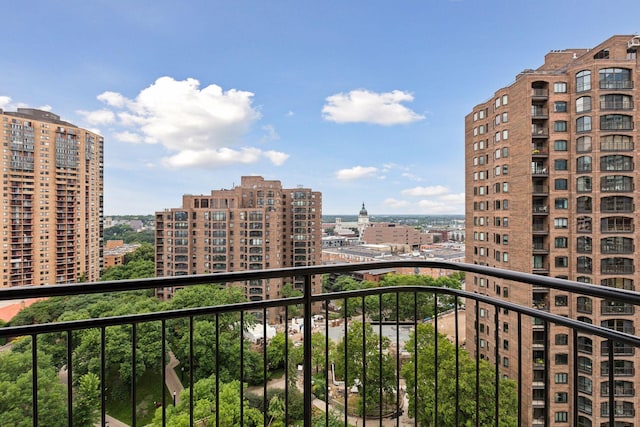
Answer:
(256, 225)
(52, 185)
(551, 178)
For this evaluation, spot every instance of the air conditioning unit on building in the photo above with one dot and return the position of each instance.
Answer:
(634, 42)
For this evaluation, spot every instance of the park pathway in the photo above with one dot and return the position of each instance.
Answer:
(172, 382)
(174, 385)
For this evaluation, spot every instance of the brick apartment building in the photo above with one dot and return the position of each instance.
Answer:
(53, 200)
(387, 232)
(256, 225)
(551, 183)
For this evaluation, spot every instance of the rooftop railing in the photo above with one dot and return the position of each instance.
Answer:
(389, 389)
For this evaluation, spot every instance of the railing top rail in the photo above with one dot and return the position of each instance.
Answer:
(259, 305)
(162, 282)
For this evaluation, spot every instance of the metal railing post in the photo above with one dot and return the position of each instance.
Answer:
(307, 351)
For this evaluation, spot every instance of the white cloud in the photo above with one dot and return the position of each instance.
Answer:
(453, 198)
(5, 104)
(290, 113)
(270, 134)
(356, 172)
(277, 158)
(411, 176)
(436, 190)
(4, 101)
(113, 99)
(196, 125)
(130, 137)
(363, 106)
(221, 157)
(98, 117)
(395, 203)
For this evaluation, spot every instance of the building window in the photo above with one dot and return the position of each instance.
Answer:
(616, 143)
(585, 365)
(584, 403)
(583, 124)
(583, 164)
(561, 242)
(560, 145)
(562, 339)
(561, 261)
(505, 187)
(616, 265)
(616, 224)
(616, 183)
(616, 122)
(583, 184)
(561, 416)
(562, 359)
(560, 106)
(560, 164)
(561, 223)
(615, 78)
(616, 204)
(584, 244)
(560, 184)
(616, 163)
(583, 81)
(584, 204)
(561, 300)
(560, 87)
(562, 378)
(562, 203)
(585, 265)
(616, 102)
(560, 126)
(583, 104)
(583, 144)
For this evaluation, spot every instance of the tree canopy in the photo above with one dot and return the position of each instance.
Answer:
(446, 369)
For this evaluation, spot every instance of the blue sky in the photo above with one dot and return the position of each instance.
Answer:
(362, 100)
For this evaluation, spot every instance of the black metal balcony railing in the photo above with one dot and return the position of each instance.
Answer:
(615, 343)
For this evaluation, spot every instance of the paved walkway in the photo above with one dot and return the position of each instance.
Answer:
(174, 385)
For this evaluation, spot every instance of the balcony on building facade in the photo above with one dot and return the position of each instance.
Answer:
(539, 151)
(616, 84)
(540, 190)
(538, 112)
(538, 131)
(541, 210)
(539, 94)
(612, 337)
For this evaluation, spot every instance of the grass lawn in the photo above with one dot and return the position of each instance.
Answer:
(148, 391)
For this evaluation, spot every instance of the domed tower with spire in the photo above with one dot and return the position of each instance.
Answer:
(363, 219)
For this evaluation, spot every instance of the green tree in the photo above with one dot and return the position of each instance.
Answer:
(276, 350)
(384, 306)
(16, 398)
(86, 401)
(447, 388)
(367, 364)
(145, 252)
(205, 406)
(288, 291)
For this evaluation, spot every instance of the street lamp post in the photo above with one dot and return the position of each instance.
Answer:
(182, 374)
(174, 398)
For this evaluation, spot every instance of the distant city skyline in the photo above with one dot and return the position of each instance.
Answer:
(359, 100)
